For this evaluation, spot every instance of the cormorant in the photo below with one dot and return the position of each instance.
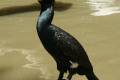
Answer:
(64, 48)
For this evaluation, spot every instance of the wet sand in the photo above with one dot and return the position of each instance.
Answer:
(95, 24)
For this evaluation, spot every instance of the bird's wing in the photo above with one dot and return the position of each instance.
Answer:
(71, 48)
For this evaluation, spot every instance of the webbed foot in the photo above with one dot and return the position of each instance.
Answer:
(65, 79)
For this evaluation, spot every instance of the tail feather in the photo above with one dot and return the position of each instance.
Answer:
(91, 77)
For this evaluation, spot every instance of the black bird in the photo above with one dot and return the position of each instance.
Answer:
(64, 48)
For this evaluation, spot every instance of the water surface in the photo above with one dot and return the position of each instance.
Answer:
(95, 24)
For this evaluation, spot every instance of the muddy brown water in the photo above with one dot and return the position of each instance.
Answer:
(95, 24)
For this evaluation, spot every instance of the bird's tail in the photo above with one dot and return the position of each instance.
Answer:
(92, 77)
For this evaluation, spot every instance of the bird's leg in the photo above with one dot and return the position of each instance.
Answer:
(61, 75)
(69, 77)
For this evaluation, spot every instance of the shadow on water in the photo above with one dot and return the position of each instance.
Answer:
(59, 6)
(4, 69)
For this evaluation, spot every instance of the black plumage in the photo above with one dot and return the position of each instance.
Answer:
(64, 48)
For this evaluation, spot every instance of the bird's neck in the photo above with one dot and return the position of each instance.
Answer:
(46, 15)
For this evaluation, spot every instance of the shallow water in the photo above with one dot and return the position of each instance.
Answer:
(95, 23)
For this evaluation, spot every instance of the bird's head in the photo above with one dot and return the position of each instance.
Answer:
(46, 1)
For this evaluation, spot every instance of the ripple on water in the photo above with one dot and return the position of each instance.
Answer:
(35, 62)
(104, 7)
